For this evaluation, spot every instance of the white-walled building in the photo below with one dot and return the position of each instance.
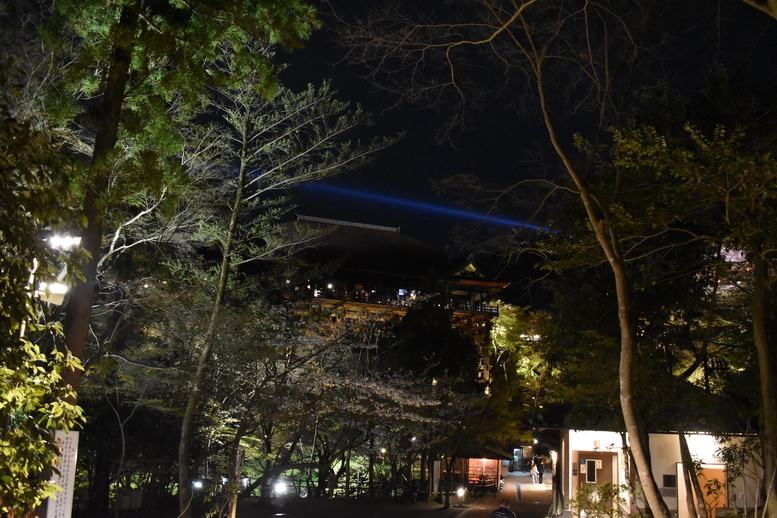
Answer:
(596, 457)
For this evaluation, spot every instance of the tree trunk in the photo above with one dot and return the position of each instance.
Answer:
(348, 468)
(98, 502)
(108, 115)
(395, 483)
(323, 478)
(233, 484)
(371, 467)
(639, 447)
(188, 424)
(609, 244)
(265, 490)
(422, 476)
(767, 382)
(449, 481)
(698, 509)
(690, 503)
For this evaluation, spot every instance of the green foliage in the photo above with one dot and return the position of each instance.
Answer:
(520, 369)
(738, 455)
(729, 175)
(175, 46)
(732, 180)
(517, 340)
(139, 71)
(604, 501)
(270, 378)
(680, 200)
(33, 402)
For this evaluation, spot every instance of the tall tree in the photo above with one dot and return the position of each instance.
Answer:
(520, 370)
(236, 171)
(132, 60)
(581, 67)
(566, 56)
(272, 146)
(733, 174)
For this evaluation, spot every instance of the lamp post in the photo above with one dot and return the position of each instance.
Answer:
(53, 292)
(461, 493)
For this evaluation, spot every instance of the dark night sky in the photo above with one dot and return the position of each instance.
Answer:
(406, 170)
(488, 149)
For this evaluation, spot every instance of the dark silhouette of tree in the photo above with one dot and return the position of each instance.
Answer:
(425, 342)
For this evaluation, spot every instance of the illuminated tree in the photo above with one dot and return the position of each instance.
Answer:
(295, 139)
(131, 61)
(225, 205)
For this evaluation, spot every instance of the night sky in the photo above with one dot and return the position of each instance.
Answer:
(395, 189)
(492, 144)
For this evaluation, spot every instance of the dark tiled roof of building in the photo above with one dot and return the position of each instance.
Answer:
(372, 249)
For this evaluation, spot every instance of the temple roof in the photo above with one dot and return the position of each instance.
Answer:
(372, 248)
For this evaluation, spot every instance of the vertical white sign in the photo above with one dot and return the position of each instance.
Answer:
(61, 506)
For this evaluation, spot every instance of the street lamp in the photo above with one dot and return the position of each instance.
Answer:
(280, 488)
(54, 292)
(65, 242)
(461, 493)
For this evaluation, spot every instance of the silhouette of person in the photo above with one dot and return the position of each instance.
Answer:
(503, 511)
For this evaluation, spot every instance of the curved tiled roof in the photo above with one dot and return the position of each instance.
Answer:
(372, 248)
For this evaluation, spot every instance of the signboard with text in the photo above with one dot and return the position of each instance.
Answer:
(61, 506)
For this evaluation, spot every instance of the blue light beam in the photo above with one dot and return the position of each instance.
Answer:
(422, 206)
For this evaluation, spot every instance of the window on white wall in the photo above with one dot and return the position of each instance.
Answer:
(590, 471)
(670, 485)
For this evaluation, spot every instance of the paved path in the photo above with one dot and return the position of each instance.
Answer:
(527, 500)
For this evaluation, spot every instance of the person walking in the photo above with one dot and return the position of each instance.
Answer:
(503, 511)
(534, 474)
(537, 461)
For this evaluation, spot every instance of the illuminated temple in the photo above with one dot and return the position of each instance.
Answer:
(376, 272)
